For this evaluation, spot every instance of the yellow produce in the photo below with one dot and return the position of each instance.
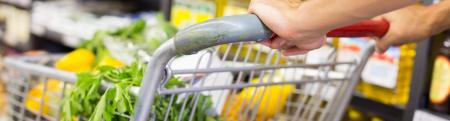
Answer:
(253, 54)
(440, 86)
(50, 98)
(233, 106)
(110, 61)
(79, 60)
(268, 100)
(354, 114)
(2, 96)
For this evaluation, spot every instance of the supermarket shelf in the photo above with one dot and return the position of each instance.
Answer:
(166, 7)
(66, 40)
(388, 112)
(19, 5)
(419, 81)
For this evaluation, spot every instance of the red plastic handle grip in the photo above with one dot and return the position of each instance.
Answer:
(366, 28)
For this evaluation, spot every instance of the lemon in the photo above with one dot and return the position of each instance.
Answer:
(233, 108)
(50, 98)
(110, 61)
(267, 100)
(79, 60)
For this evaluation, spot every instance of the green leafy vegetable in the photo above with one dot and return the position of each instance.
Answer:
(98, 104)
(109, 104)
(135, 32)
(90, 100)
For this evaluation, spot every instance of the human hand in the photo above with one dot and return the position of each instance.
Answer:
(293, 34)
(410, 24)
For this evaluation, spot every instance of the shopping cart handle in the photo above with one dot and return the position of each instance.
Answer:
(229, 29)
(366, 28)
(249, 27)
(224, 30)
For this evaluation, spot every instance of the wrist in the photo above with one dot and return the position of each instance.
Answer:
(446, 13)
(312, 17)
(439, 14)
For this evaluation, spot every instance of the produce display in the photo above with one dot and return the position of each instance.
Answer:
(90, 99)
(50, 96)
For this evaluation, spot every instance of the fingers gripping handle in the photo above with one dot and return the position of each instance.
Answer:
(249, 27)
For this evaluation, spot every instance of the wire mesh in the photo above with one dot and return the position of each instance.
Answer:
(232, 82)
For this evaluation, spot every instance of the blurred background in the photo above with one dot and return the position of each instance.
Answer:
(395, 86)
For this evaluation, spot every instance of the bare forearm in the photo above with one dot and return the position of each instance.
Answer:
(329, 14)
(440, 15)
(414, 23)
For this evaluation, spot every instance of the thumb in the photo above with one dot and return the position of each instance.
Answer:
(382, 44)
(269, 14)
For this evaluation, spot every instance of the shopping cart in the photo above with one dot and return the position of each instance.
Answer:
(242, 79)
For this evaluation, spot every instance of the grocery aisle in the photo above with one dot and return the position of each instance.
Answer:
(88, 60)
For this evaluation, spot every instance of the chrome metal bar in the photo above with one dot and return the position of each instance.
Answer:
(209, 64)
(252, 74)
(168, 108)
(196, 95)
(58, 114)
(255, 68)
(270, 78)
(24, 97)
(335, 97)
(150, 82)
(260, 80)
(238, 80)
(238, 86)
(188, 94)
(41, 70)
(354, 79)
(42, 101)
(316, 104)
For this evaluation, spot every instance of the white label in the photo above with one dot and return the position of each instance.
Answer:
(420, 115)
(380, 70)
(381, 73)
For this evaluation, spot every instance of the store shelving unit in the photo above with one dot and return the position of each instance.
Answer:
(365, 105)
(16, 4)
(43, 33)
(166, 6)
(419, 86)
(419, 89)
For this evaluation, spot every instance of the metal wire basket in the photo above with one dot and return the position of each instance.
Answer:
(243, 81)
